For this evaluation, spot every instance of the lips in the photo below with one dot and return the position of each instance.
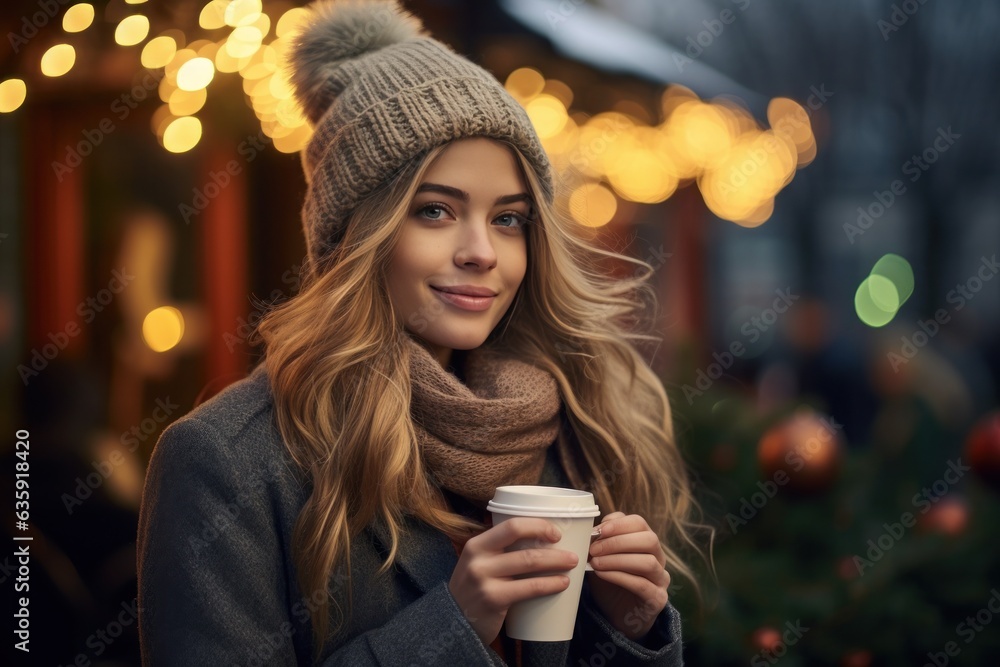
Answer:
(466, 290)
(465, 301)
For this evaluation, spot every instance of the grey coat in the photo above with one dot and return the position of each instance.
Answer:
(217, 584)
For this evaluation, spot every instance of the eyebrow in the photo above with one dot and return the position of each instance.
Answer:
(464, 196)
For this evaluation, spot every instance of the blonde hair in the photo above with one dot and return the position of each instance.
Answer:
(338, 366)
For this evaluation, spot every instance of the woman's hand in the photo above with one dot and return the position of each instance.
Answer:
(629, 582)
(485, 583)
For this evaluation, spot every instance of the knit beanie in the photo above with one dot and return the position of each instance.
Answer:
(381, 92)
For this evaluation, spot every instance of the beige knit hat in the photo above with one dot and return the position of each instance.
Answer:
(380, 92)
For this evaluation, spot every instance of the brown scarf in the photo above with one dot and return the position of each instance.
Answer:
(491, 431)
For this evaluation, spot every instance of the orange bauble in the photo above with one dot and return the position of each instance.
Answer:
(802, 452)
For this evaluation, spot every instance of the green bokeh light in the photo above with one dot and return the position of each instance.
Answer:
(869, 311)
(899, 271)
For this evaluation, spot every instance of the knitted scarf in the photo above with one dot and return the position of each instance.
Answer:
(492, 431)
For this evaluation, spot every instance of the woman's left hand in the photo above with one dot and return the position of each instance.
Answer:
(629, 582)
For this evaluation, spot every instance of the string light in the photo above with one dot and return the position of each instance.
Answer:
(78, 17)
(12, 95)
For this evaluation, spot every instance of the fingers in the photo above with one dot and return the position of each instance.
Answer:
(642, 565)
(622, 533)
(517, 590)
(639, 586)
(531, 562)
(504, 534)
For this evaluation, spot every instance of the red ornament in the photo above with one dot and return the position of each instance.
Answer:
(982, 449)
(802, 452)
(949, 516)
(766, 639)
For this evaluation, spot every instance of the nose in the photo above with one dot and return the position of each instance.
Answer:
(476, 248)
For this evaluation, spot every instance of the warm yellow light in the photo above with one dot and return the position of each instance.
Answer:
(244, 41)
(213, 15)
(12, 94)
(134, 2)
(161, 118)
(227, 63)
(525, 83)
(547, 114)
(78, 17)
(158, 52)
(132, 30)
(592, 205)
(195, 74)
(560, 91)
(295, 141)
(292, 21)
(280, 87)
(182, 134)
(242, 12)
(170, 69)
(163, 328)
(289, 113)
(643, 178)
(187, 102)
(58, 60)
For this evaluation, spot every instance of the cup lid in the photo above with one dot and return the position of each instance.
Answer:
(543, 501)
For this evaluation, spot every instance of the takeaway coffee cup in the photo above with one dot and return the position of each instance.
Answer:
(549, 618)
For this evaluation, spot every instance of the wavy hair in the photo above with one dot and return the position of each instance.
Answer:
(337, 361)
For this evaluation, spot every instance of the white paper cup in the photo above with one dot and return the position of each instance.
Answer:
(549, 618)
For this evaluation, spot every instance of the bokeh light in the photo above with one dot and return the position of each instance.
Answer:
(78, 17)
(12, 95)
(182, 134)
(58, 60)
(132, 30)
(163, 328)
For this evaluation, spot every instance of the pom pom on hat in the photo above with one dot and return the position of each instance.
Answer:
(339, 31)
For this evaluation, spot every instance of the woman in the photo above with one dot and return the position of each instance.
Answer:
(452, 335)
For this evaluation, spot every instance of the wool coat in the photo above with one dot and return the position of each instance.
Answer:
(217, 582)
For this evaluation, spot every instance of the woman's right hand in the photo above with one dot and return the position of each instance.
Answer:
(485, 582)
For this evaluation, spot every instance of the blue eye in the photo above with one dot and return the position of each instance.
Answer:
(520, 219)
(430, 207)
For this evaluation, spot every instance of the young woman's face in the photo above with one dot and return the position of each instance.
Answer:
(465, 231)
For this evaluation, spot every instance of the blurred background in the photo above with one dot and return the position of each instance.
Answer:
(816, 184)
